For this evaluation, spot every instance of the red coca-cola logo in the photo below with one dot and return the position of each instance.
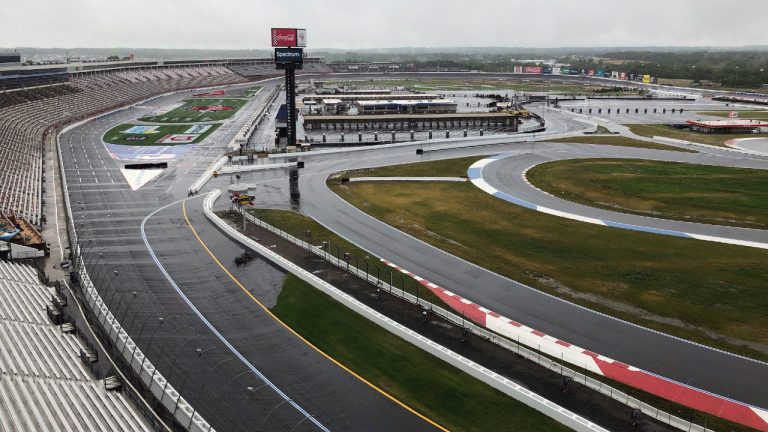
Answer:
(211, 108)
(282, 37)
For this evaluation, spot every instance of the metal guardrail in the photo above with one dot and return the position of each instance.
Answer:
(489, 377)
(529, 353)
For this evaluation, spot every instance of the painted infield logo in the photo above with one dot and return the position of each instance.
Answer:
(211, 108)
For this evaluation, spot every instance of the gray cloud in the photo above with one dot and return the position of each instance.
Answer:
(244, 24)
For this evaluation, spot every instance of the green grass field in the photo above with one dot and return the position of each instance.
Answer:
(186, 113)
(650, 130)
(704, 291)
(445, 168)
(693, 193)
(618, 140)
(758, 115)
(297, 225)
(116, 135)
(435, 389)
(251, 91)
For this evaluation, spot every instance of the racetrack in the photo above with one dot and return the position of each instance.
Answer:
(111, 214)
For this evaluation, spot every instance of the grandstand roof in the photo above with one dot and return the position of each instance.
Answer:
(406, 102)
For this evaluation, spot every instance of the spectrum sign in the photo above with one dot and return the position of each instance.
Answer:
(289, 37)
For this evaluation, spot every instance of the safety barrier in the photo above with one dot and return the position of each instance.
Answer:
(531, 353)
(491, 378)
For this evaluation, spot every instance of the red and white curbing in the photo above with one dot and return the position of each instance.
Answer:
(691, 397)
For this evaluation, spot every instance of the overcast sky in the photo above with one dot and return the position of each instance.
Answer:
(244, 24)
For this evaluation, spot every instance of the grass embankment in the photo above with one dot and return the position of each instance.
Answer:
(297, 225)
(445, 168)
(251, 91)
(704, 291)
(669, 190)
(651, 130)
(187, 113)
(441, 392)
(758, 115)
(116, 135)
(618, 140)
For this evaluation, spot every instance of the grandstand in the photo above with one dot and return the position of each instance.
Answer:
(44, 385)
(262, 68)
(29, 119)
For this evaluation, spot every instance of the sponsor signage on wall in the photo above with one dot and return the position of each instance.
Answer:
(178, 139)
(646, 79)
(532, 69)
(198, 129)
(517, 69)
(289, 55)
(289, 37)
(623, 76)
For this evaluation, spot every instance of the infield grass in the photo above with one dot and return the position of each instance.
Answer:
(704, 291)
(187, 114)
(297, 225)
(116, 135)
(758, 115)
(651, 130)
(618, 140)
(668, 190)
(435, 389)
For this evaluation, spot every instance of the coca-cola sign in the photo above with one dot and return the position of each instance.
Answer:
(289, 37)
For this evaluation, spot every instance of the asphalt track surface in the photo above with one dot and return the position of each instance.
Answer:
(108, 216)
(507, 175)
(223, 389)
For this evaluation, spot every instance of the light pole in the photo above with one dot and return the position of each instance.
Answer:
(205, 384)
(136, 342)
(176, 357)
(134, 294)
(152, 338)
(159, 357)
(200, 353)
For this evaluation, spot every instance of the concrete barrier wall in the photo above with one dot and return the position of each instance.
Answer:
(489, 377)
(531, 352)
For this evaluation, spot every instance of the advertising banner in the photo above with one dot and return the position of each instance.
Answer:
(198, 129)
(532, 69)
(646, 79)
(600, 73)
(590, 72)
(289, 37)
(178, 139)
(623, 76)
(615, 75)
(565, 70)
(142, 130)
(517, 69)
(289, 55)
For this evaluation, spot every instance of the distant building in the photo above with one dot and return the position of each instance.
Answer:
(730, 126)
(434, 106)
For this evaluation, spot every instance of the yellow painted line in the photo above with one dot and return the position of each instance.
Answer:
(287, 327)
